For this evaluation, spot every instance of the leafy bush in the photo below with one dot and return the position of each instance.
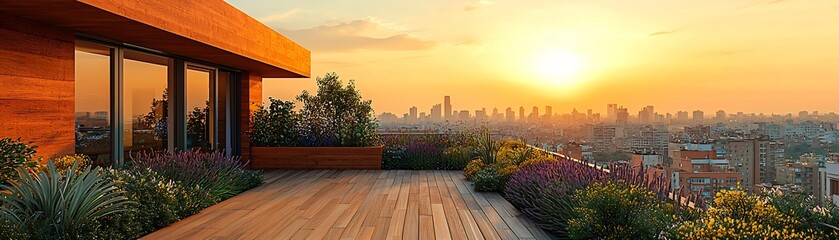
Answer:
(736, 215)
(156, 197)
(472, 168)
(54, 205)
(275, 126)
(616, 210)
(336, 115)
(15, 154)
(208, 177)
(489, 180)
(456, 158)
(807, 210)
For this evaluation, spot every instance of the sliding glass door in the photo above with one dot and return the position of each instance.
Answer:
(130, 102)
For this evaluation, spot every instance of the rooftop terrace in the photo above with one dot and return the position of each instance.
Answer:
(358, 204)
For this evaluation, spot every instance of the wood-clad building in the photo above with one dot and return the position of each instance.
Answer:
(108, 78)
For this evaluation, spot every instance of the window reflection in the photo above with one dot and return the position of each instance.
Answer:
(145, 102)
(198, 125)
(93, 98)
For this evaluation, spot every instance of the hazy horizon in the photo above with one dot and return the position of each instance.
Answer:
(738, 56)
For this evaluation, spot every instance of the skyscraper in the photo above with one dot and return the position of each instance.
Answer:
(521, 113)
(447, 108)
(510, 114)
(436, 113)
(611, 110)
(621, 115)
(548, 113)
(698, 115)
(412, 113)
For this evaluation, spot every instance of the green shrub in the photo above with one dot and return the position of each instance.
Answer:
(807, 210)
(616, 210)
(15, 154)
(489, 180)
(156, 197)
(54, 205)
(456, 158)
(276, 125)
(734, 214)
(472, 168)
(336, 115)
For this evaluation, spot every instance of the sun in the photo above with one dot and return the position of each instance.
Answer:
(558, 67)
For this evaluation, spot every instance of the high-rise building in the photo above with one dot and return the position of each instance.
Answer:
(463, 115)
(682, 116)
(510, 114)
(548, 113)
(646, 115)
(412, 114)
(720, 115)
(447, 108)
(521, 114)
(746, 157)
(698, 115)
(611, 110)
(436, 113)
(622, 115)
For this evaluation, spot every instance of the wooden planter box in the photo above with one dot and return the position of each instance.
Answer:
(316, 157)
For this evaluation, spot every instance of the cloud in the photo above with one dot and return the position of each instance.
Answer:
(475, 5)
(361, 34)
(279, 17)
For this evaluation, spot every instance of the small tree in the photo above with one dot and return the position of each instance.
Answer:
(337, 115)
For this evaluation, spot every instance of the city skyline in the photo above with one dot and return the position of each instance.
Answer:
(646, 113)
(749, 56)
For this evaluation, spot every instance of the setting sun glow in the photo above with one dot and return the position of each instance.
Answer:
(558, 67)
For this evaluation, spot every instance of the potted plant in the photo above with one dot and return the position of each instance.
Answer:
(334, 128)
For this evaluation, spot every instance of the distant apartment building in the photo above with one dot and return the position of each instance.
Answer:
(749, 157)
(682, 116)
(698, 116)
(647, 138)
(521, 114)
(603, 137)
(646, 159)
(510, 114)
(698, 133)
(720, 116)
(611, 111)
(463, 115)
(577, 150)
(829, 181)
(436, 113)
(412, 114)
(703, 172)
(803, 177)
(622, 116)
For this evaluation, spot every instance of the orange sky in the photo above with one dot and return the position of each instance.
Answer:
(738, 55)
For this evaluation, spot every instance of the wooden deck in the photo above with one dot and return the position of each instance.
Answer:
(358, 204)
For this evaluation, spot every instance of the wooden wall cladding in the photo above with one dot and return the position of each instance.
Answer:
(208, 30)
(251, 97)
(316, 157)
(37, 96)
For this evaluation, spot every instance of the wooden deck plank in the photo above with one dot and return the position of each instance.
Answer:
(358, 204)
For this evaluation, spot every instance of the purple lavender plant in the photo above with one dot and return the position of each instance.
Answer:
(212, 172)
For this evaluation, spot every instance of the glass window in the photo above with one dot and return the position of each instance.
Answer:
(198, 108)
(93, 102)
(145, 102)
